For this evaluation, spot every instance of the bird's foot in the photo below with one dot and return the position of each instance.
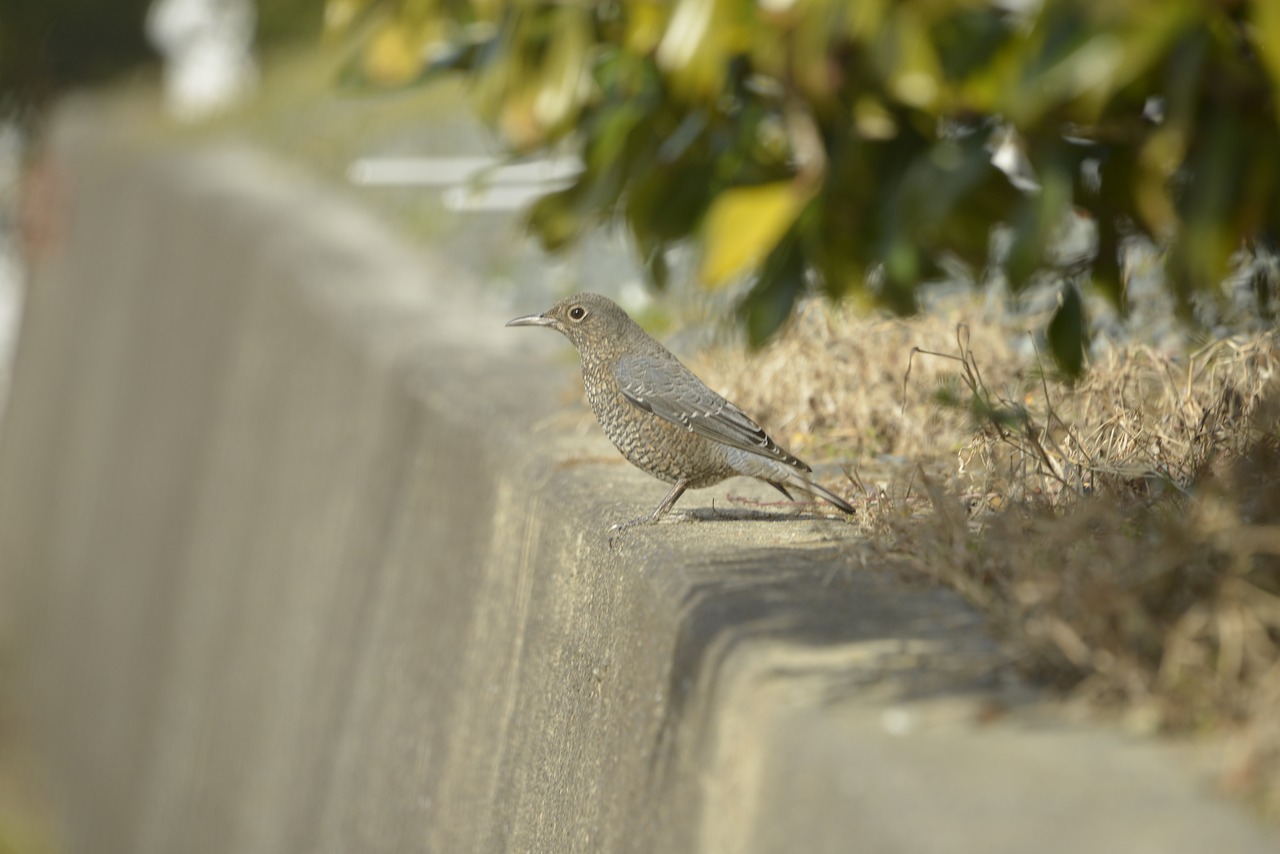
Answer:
(619, 529)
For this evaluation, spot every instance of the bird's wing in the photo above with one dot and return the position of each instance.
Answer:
(670, 390)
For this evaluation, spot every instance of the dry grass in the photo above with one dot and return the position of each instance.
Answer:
(1122, 534)
(832, 384)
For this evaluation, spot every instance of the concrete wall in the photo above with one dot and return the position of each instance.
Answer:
(302, 551)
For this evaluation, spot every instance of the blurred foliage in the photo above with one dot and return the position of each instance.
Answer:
(848, 146)
(284, 21)
(48, 46)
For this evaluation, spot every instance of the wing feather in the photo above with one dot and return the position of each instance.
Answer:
(670, 390)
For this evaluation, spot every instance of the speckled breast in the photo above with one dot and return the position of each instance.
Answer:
(667, 451)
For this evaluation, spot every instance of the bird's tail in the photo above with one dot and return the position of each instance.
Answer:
(831, 498)
(802, 483)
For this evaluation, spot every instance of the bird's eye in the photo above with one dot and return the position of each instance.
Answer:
(577, 313)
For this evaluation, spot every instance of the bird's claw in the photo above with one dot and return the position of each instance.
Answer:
(617, 530)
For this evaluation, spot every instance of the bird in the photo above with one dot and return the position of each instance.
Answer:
(663, 419)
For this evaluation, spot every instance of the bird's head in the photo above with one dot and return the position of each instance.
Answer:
(587, 320)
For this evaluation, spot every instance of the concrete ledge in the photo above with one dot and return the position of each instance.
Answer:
(299, 555)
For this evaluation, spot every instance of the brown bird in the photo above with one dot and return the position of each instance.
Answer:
(662, 418)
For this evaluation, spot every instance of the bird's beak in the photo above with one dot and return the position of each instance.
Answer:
(534, 320)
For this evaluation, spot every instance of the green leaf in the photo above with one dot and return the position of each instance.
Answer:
(778, 286)
(653, 260)
(668, 204)
(1067, 333)
(555, 219)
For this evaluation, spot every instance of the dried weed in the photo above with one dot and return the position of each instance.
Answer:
(1123, 534)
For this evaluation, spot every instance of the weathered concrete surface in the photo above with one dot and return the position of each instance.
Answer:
(302, 551)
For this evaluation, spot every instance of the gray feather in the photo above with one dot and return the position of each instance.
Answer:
(670, 390)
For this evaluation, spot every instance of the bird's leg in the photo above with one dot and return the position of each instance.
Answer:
(667, 503)
(662, 509)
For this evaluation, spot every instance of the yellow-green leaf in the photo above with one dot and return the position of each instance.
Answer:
(564, 82)
(394, 56)
(1160, 158)
(743, 225)
(700, 39)
(339, 14)
(645, 23)
(910, 60)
